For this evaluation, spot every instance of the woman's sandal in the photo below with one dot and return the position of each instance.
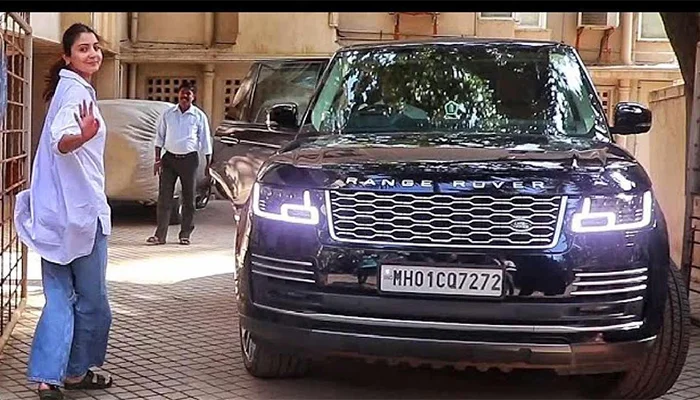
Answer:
(91, 381)
(153, 240)
(52, 393)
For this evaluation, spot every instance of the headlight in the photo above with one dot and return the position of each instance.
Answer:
(613, 213)
(284, 204)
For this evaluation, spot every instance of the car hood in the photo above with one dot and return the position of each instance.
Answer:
(438, 161)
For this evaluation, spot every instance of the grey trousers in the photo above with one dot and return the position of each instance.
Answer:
(174, 167)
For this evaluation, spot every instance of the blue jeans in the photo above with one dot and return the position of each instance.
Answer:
(73, 330)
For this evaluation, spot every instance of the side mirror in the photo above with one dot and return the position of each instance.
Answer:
(631, 119)
(282, 115)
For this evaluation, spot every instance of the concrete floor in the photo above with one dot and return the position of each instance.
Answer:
(175, 336)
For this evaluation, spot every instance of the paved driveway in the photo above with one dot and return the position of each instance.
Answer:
(175, 335)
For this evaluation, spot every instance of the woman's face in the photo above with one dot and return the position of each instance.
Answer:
(85, 55)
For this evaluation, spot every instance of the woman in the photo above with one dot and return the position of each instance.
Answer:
(65, 218)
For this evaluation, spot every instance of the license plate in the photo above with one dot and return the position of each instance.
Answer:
(485, 282)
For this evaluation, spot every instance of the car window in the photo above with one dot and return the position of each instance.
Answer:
(240, 104)
(292, 82)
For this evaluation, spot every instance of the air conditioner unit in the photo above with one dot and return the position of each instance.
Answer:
(598, 20)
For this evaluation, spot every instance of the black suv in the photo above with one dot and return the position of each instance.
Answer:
(461, 202)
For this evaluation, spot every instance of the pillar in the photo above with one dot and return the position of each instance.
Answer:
(209, 29)
(208, 92)
(133, 69)
(627, 37)
(624, 90)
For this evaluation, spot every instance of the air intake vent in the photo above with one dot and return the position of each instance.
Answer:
(630, 282)
(281, 269)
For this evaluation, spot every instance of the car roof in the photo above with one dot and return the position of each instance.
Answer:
(452, 42)
(295, 60)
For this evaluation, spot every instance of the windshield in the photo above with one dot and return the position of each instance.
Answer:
(500, 89)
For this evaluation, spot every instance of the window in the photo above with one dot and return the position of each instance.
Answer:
(286, 82)
(606, 98)
(238, 109)
(651, 27)
(531, 20)
(230, 89)
(524, 20)
(497, 15)
(165, 88)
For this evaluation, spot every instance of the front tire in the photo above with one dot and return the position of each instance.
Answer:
(658, 372)
(263, 360)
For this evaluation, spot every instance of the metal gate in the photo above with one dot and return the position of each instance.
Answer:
(15, 122)
(693, 267)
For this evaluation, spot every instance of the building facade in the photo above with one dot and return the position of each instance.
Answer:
(148, 54)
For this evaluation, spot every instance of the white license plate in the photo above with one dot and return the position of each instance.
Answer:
(486, 282)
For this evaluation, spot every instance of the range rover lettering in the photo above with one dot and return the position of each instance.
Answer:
(461, 202)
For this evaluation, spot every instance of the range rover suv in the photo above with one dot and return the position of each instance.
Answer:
(461, 202)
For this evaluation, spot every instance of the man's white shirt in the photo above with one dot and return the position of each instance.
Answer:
(183, 133)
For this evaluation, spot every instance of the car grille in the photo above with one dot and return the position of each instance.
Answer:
(443, 220)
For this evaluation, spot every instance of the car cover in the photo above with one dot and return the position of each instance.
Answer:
(129, 152)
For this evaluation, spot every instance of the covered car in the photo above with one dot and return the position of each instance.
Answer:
(130, 151)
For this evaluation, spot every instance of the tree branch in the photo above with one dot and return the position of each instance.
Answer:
(683, 31)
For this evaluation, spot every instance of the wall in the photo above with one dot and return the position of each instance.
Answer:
(651, 51)
(360, 25)
(290, 34)
(495, 28)
(173, 28)
(106, 80)
(40, 65)
(69, 18)
(222, 72)
(225, 28)
(559, 27)
(641, 145)
(146, 71)
(47, 26)
(667, 163)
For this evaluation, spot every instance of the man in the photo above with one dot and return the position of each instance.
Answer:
(183, 132)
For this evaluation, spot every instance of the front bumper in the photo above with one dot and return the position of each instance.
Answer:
(298, 291)
(564, 358)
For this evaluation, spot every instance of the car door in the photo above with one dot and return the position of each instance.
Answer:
(244, 140)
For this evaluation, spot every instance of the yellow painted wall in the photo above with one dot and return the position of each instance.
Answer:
(222, 72)
(40, 66)
(285, 33)
(642, 145)
(495, 28)
(69, 18)
(146, 71)
(106, 80)
(171, 27)
(225, 28)
(47, 26)
(667, 138)
(460, 24)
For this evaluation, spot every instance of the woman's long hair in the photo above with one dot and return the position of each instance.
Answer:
(69, 37)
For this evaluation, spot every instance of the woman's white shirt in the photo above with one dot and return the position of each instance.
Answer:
(57, 216)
